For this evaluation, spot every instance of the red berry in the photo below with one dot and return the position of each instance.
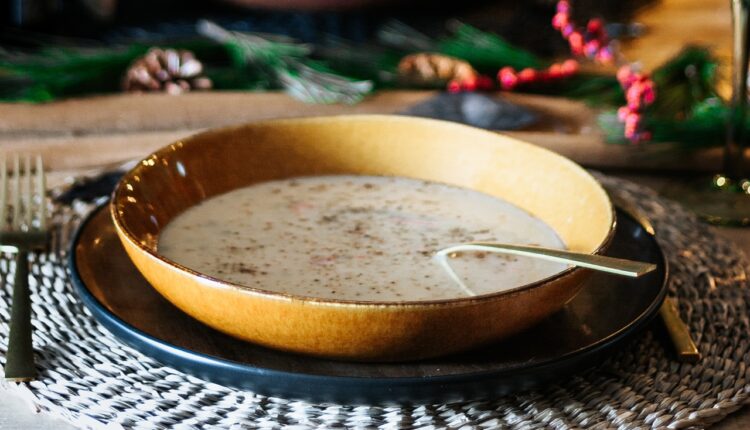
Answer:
(567, 30)
(649, 95)
(622, 113)
(605, 55)
(507, 78)
(569, 67)
(634, 92)
(632, 120)
(559, 21)
(624, 75)
(555, 70)
(469, 84)
(454, 86)
(576, 42)
(595, 26)
(591, 48)
(527, 75)
(631, 133)
(484, 83)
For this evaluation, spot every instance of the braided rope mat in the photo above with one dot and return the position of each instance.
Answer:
(90, 379)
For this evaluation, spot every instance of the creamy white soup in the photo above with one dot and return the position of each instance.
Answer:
(357, 238)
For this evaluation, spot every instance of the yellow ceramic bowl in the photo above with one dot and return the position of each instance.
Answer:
(182, 174)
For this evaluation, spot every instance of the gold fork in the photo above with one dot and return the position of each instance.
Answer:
(23, 229)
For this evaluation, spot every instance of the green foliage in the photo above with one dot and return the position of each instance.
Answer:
(597, 90)
(687, 109)
(374, 63)
(288, 64)
(57, 72)
(705, 125)
(684, 82)
(486, 51)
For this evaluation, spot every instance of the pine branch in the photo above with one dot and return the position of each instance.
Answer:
(65, 70)
(401, 36)
(311, 85)
(262, 50)
(289, 64)
(374, 63)
(486, 51)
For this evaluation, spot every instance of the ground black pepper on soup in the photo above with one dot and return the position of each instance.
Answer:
(356, 238)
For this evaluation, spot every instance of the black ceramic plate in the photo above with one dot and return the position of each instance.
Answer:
(608, 311)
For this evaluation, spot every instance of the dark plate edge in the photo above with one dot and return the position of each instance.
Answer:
(350, 388)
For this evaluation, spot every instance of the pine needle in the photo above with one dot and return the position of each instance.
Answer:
(485, 51)
(288, 62)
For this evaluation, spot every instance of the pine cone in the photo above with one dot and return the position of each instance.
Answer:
(434, 69)
(167, 70)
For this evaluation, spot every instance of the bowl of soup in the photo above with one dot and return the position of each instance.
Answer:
(317, 235)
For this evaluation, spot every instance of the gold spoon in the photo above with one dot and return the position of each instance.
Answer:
(617, 266)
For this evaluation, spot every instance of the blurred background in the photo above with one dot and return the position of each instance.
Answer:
(558, 73)
(526, 23)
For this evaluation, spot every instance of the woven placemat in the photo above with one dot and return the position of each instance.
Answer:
(90, 379)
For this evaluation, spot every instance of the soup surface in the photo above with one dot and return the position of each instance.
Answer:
(357, 238)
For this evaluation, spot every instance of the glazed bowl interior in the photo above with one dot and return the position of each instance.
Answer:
(184, 173)
(548, 186)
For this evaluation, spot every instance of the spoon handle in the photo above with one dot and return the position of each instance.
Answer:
(601, 263)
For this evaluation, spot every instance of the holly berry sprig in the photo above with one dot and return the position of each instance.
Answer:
(639, 92)
(593, 43)
(472, 83)
(509, 78)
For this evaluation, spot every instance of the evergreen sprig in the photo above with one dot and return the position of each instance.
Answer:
(485, 51)
(289, 63)
(54, 73)
(687, 108)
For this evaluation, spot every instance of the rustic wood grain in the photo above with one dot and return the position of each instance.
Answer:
(115, 128)
(126, 113)
(64, 153)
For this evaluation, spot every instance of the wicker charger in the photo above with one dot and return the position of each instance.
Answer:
(90, 379)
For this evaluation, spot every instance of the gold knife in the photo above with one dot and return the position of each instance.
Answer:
(679, 334)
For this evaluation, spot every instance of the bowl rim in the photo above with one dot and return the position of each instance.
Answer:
(125, 234)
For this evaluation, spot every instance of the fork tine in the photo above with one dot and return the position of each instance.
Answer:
(16, 193)
(3, 191)
(28, 193)
(41, 182)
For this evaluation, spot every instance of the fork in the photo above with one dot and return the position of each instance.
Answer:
(23, 229)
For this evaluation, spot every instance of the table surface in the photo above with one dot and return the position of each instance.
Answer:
(79, 135)
(14, 414)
